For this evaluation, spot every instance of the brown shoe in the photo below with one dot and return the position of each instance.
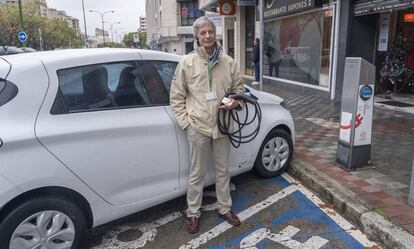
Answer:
(231, 218)
(192, 224)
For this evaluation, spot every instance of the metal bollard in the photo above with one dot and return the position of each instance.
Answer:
(411, 194)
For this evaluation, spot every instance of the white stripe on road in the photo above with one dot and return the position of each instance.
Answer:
(338, 219)
(224, 226)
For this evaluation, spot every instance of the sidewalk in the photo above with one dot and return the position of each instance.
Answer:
(374, 197)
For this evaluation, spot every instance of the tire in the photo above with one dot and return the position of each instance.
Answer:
(270, 164)
(54, 218)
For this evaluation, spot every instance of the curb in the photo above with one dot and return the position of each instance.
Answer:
(346, 203)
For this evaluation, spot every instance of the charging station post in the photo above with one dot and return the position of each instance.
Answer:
(354, 145)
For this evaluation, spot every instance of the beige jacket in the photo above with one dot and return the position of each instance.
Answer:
(191, 83)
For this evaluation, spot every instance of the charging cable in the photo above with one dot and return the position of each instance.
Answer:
(224, 117)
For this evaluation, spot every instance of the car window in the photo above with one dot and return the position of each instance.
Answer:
(166, 70)
(8, 91)
(157, 76)
(99, 87)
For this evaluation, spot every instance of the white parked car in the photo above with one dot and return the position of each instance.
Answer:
(87, 136)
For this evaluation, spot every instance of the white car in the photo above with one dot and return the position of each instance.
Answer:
(87, 136)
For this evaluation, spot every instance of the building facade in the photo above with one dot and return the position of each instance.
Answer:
(169, 24)
(142, 24)
(44, 10)
(306, 42)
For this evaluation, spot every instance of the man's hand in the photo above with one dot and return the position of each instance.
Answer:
(230, 104)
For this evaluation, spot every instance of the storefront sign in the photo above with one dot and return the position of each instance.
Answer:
(246, 2)
(384, 31)
(227, 7)
(277, 8)
(365, 7)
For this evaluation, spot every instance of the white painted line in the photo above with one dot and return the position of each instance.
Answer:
(284, 237)
(342, 222)
(247, 213)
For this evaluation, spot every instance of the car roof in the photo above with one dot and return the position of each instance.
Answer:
(68, 54)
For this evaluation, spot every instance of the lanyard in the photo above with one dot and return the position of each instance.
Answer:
(210, 73)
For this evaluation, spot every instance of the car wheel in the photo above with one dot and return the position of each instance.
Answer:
(275, 154)
(46, 222)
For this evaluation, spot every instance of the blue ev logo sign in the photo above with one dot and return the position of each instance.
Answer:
(365, 93)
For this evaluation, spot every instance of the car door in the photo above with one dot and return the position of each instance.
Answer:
(238, 158)
(107, 126)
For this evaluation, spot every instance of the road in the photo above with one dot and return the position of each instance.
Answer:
(275, 213)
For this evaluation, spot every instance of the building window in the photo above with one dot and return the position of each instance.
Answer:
(189, 12)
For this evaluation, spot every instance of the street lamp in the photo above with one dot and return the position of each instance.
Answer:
(21, 19)
(102, 18)
(84, 23)
(112, 32)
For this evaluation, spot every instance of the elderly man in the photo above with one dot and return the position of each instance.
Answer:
(202, 79)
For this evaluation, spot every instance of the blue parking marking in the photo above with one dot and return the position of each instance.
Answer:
(303, 210)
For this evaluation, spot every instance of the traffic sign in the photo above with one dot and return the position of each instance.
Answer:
(22, 36)
(136, 38)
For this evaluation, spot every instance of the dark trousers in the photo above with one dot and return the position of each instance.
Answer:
(257, 71)
(275, 66)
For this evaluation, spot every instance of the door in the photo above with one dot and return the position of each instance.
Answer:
(107, 126)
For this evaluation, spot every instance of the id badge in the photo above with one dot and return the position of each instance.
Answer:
(210, 96)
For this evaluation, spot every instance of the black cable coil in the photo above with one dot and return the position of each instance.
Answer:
(224, 117)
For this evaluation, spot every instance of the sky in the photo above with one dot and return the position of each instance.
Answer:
(127, 12)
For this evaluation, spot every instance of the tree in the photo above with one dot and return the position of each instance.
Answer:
(111, 45)
(54, 33)
(129, 40)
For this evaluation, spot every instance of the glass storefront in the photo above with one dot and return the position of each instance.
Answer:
(298, 48)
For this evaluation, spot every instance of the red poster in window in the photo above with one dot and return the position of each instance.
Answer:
(184, 12)
(227, 7)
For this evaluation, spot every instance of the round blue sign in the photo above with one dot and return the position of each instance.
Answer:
(365, 92)
(22, 36)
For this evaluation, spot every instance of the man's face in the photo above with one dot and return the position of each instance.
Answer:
(206, 36)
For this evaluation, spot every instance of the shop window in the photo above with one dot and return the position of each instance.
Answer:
(298, 48)
(189, 12)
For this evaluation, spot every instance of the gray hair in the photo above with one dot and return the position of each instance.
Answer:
(200, 22)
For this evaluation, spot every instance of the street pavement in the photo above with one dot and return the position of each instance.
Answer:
(373, 197)
(275, 213)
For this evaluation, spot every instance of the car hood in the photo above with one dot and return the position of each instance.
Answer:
(264, 97)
